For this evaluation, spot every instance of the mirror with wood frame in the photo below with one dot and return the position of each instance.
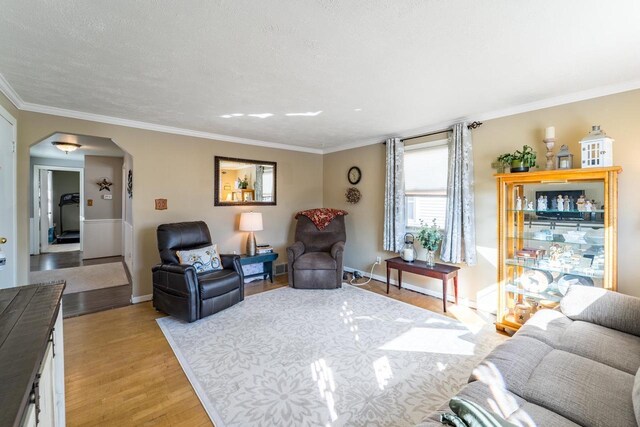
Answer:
(242, 182)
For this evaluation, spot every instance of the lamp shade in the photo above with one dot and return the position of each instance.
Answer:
(250, 221)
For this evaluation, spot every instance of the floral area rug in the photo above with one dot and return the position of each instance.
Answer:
(344, 357)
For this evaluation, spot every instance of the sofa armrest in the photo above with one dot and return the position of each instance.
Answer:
(337, 249)
(178, 279)
(602, 307)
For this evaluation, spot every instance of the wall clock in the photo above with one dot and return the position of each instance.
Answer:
(354, 175)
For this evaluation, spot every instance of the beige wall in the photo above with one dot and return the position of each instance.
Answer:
(180, 169)
(617, 114)
(95, 169)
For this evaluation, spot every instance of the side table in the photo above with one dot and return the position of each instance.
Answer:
(443, 272)
(265, 259)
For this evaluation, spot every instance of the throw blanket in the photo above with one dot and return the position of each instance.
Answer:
(321, 217)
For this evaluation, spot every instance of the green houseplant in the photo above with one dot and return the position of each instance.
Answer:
(430, 238)
(519, 160)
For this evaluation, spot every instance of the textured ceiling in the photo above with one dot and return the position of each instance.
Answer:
(371, 68)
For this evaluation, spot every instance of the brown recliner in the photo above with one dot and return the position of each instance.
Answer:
(315, 259)
(178, 289)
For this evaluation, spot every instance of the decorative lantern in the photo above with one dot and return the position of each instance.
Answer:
(408, 252)
(596, 149)
(564, 159)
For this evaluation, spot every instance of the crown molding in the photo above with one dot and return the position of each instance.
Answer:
(13, 96)
(55, 111)
(496, 114)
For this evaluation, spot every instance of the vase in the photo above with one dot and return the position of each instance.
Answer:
(431, 258)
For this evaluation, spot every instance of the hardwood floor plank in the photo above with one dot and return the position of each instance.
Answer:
(121, 371)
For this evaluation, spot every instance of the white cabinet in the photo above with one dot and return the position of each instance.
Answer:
(47, 408)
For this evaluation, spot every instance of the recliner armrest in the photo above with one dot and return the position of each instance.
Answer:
(295, 250)
(174, 268)
(179, 279)
(228, 261)
(337, 249)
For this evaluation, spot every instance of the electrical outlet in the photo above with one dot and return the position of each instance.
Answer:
(378, 260)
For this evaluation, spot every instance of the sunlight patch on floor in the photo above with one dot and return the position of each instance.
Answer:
(469, 318)
(431, 340)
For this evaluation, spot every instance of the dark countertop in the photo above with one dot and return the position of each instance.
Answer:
(27, 316)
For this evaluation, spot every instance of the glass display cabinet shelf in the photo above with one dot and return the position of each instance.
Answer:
(576, 271)
(544, 250)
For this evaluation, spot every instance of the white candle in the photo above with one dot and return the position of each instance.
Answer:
(550, 132)
(407, 254)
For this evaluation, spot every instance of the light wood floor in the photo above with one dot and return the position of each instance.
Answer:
(120, 370)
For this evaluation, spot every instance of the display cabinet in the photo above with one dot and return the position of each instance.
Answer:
(555, 228)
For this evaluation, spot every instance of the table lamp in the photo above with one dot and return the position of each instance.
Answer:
(251, 221)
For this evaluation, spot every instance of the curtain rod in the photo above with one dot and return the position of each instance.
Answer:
(472, 125)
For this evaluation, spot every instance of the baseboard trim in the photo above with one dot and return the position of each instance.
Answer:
(450, 298)
(141, 298)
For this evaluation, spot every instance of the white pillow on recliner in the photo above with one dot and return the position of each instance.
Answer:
(202, 259)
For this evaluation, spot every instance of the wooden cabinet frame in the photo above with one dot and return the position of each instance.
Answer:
(510, 184)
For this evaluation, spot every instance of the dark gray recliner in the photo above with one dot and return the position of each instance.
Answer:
(178, 289)
(315, 259)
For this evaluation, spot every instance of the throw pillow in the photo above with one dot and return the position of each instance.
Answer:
(474, 415)
(203, 259)
(635, 396)
(449, 419)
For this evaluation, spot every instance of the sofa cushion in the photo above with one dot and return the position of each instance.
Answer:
(582, 390)
(315, 261)
(217, 283)
(507, 405)
(602, 307)
(636, 396)
(614, 348)
(547, 326)
(512, 363)
(203, 259)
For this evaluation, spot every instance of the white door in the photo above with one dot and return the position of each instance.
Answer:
(46, 208)
(8, 246)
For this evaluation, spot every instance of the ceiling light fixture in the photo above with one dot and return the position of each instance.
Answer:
(67, 147)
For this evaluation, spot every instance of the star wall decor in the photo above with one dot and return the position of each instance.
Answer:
(105, 184)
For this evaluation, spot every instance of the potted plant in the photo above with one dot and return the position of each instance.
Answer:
(430, 238)
(519, 160)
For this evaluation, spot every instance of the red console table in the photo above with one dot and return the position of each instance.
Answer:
(443, 272)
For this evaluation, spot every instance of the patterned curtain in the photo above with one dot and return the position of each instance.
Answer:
(394, 215)
(259, 183)
(459, 242)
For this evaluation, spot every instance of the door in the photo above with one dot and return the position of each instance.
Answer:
(8, 247)
(46, 209)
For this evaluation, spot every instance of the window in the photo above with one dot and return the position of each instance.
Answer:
(425, 175)
(267, 184)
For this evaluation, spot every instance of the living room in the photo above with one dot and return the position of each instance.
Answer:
(317, 89)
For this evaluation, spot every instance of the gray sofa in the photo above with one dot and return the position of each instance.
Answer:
(576, 366)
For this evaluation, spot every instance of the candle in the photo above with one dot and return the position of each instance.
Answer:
(407, 254)
(550, 132)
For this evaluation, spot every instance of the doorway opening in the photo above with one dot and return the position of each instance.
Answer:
(81, 222)
(58, 196)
